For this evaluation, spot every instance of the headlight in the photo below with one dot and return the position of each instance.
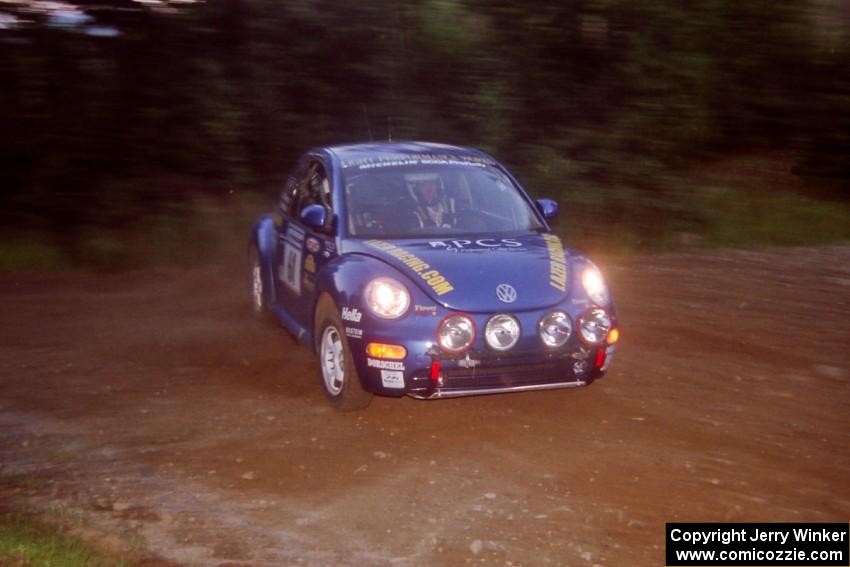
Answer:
(456, 333)
(594, 286)
(555, 329)
(502, 331)
(594, 325)
(387, 298)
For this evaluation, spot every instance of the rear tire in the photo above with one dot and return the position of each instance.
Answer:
(257, 286)
(338, 375)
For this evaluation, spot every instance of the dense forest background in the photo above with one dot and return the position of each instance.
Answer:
(659, 124)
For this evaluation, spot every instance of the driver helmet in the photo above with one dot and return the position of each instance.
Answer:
(426, 188)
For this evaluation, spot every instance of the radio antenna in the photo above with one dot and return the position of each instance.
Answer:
(389, 128)
(366, 119)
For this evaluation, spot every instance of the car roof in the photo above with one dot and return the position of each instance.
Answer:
(370, 151)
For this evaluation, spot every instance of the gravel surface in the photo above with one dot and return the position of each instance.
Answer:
(152, 409)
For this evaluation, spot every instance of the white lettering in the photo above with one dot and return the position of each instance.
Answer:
(385, 364)
(354, 332)
(770, 536)
(454, 245)
(350, 314)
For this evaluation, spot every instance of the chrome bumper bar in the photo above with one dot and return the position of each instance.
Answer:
(439, 394)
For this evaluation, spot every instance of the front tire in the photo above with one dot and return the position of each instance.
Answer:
(339, 378)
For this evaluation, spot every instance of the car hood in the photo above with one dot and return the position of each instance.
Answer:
(464, 273)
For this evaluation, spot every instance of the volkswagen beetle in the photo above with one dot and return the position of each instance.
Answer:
(425, 270)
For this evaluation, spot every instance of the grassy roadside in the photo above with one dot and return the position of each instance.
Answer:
(707, 217)
(192, 231)
(746, 201)
(29, 539)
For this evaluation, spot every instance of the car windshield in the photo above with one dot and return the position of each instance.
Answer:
(430, 200)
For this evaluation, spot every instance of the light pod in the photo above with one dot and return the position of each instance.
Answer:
(555, 329)
(594, 325)
(501, 331)
(456, 333)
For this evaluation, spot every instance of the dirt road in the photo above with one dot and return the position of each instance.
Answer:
(151, 407)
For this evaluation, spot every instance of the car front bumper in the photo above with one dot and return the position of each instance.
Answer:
(483, 373)
(426, 372)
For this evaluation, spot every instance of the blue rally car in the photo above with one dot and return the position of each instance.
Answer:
(425, 270)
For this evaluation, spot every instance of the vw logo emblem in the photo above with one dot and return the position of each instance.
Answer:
(506, 293)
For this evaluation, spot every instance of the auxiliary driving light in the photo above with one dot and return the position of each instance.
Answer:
(502, 331)
(555, 329)
(594, 325)
(456, 333)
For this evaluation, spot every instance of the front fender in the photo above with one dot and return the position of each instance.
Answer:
(263, 236)
(345, 281)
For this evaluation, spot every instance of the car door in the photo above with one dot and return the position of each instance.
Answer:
(302, 250)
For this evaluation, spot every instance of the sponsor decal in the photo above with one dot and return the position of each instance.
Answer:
(294, 234)
(494, 244)
(313, 245)
(557, 262)
(433, 278)
(438, 283)
(310, 264)
(425, 310)
(392, 379)
(354, 332)
(351, 314)
(394, 160)
(290, 268)
(581, 301)
(385, 364)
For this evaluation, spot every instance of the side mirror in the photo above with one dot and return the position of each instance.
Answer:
(314, 216)
(548, 208)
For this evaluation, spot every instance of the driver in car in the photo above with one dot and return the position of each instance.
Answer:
(433, 207)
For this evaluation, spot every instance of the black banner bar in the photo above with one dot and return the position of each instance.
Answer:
(758, 545)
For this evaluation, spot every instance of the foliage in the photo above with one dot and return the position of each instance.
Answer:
(51, 538)
(615, 97)
(28, 541)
